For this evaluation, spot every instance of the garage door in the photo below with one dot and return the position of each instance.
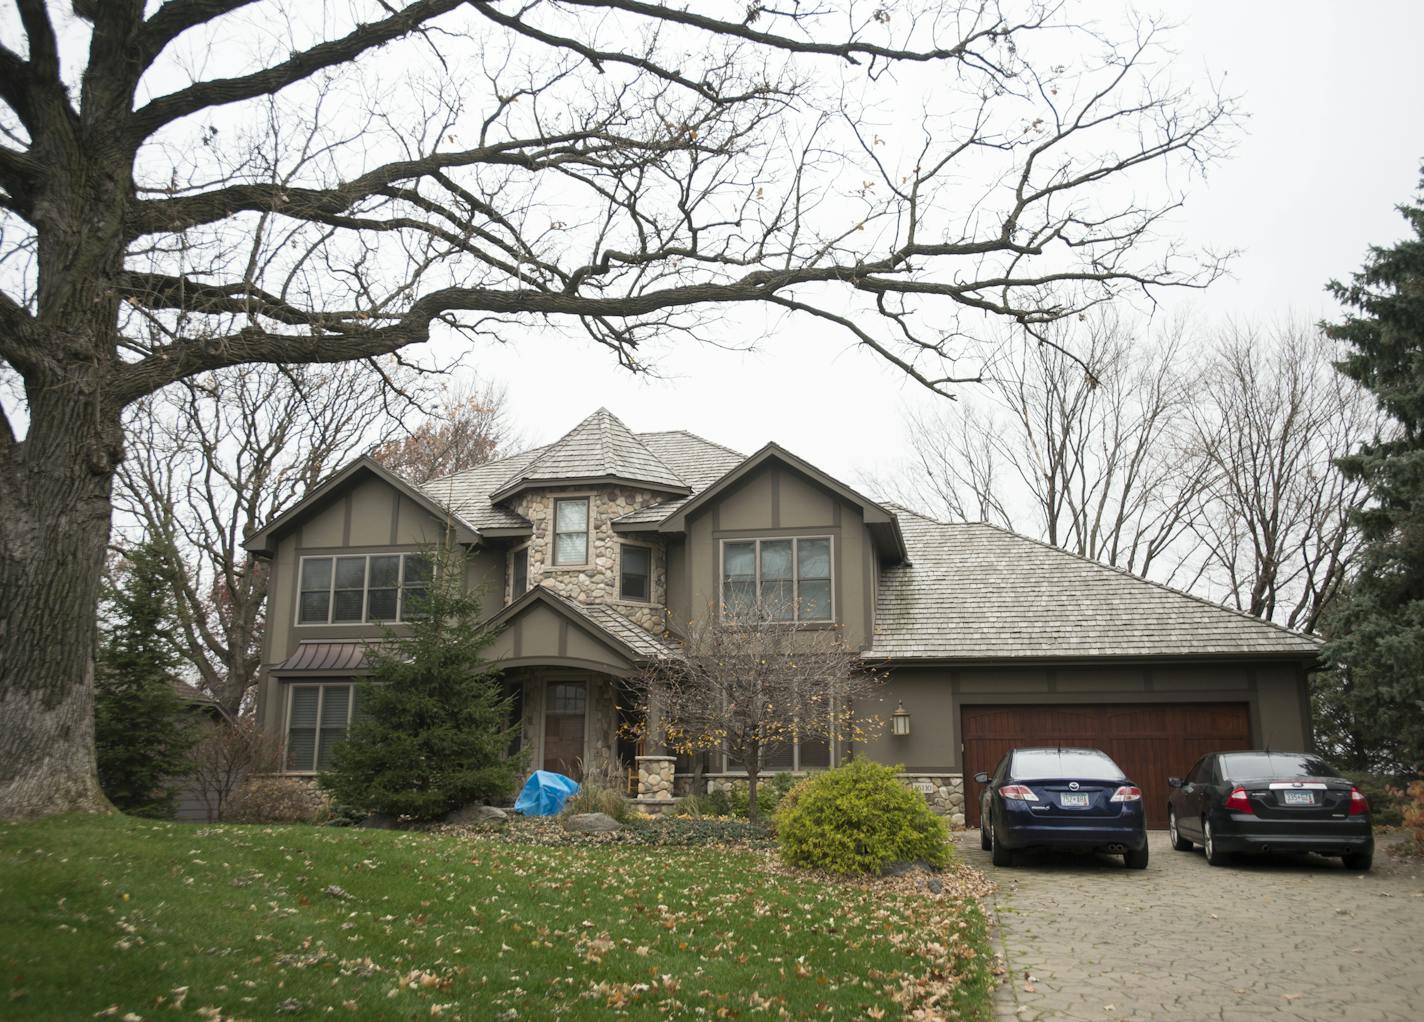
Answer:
(1150, 741)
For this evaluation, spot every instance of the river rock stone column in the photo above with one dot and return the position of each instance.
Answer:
(655, 777)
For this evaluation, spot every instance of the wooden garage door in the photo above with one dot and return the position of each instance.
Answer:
(1150, 741)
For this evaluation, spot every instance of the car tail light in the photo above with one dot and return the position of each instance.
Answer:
(1021, 792)
(1359, 805)
(1127, 793)
(1237, 801)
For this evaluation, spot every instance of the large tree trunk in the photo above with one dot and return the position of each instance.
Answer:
(54, 526)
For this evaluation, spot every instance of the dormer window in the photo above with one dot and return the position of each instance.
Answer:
(571, 531)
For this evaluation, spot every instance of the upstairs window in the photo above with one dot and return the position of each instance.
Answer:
(635, 573)
(364, 588)
(785, 579)
(571, 531)
(518, 573)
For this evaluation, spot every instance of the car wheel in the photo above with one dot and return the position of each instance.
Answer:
(1180, 843)
(1360, 861)
(1135, 860)
(1213, 855)
(1000, 855)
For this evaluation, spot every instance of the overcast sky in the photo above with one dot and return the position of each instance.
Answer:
(1333, 142)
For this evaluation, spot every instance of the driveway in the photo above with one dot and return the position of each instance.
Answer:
(1298, 939)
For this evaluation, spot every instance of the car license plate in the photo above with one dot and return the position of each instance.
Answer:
(1299, 798)
(1073, 800)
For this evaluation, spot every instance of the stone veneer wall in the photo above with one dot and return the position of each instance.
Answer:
(598, 581)
(944, 792)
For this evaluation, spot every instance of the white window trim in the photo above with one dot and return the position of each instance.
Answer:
(652, 572)
(404, 555)
(795, 573)
(321, 687)
(552, 561)
(528, 584)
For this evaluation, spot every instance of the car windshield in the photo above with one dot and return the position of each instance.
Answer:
(1242, 765)
(1084, 764)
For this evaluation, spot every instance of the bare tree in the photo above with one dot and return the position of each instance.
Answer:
(229, 751)
(1276, 526)
(213, 459)
(213, 183)
(751, 685)
(470, 425)
(1089, 452)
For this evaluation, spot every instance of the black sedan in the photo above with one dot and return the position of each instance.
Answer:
(1269, 802)
(1061, 798)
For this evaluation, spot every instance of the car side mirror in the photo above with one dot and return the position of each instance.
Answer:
(982, 777)
(1174, 782)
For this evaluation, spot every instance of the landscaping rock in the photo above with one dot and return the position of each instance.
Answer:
(899, 869)
(591, 823)
(934, 885)
(379, 821)
(476, 814)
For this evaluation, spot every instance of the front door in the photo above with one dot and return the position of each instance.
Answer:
(565, 715)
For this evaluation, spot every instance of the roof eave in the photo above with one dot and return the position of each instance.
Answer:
(527, 483)
(1072, 658)
(262, 542)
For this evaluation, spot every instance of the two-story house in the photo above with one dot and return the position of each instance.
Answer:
(593, 553)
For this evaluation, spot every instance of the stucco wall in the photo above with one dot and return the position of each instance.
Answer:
(776, 501)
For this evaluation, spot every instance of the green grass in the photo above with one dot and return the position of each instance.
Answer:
(165, 921)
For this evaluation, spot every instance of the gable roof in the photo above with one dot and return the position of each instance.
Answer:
(634, 642)
(599, 449)
(979, 592)
(262, 541)
(883, 524)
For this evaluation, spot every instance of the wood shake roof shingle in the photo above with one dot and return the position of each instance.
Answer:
(975, 591)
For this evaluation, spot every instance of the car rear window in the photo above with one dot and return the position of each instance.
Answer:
(1240, 766)
(1081, 763)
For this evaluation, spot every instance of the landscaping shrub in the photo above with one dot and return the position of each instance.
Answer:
(599, 798)
(857, 819)
(1413, 816)
(737, 803)
(1386, 797)
(277, 800)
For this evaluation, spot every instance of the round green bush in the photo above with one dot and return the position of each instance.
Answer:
(859, 818)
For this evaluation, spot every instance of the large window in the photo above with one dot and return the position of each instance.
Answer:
(365, 587)
(571, 531)
(806, 754)
(784, 579)
(318, 717)
(518, 573)
(635, 573)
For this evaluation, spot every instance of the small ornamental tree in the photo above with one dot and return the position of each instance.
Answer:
(141, 734)
(751, 683)
(432, 729)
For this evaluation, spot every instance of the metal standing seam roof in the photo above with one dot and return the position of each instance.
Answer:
(315, 656)
(977, 591)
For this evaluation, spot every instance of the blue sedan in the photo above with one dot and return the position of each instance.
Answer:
(1061, 798)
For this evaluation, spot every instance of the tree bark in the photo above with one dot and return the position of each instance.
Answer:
(54, 527)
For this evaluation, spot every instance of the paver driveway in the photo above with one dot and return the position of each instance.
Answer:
(1298, 939)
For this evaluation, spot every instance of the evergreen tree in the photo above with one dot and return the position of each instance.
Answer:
(141, 734)
(1377, 635)
(432, 729)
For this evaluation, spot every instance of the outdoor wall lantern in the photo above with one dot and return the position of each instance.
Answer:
(900, 720)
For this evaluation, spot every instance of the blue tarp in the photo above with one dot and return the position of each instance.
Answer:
(544, 793)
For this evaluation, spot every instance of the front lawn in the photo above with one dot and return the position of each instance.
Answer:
(122, 918)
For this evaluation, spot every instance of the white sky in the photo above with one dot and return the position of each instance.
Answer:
(1333, 142)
